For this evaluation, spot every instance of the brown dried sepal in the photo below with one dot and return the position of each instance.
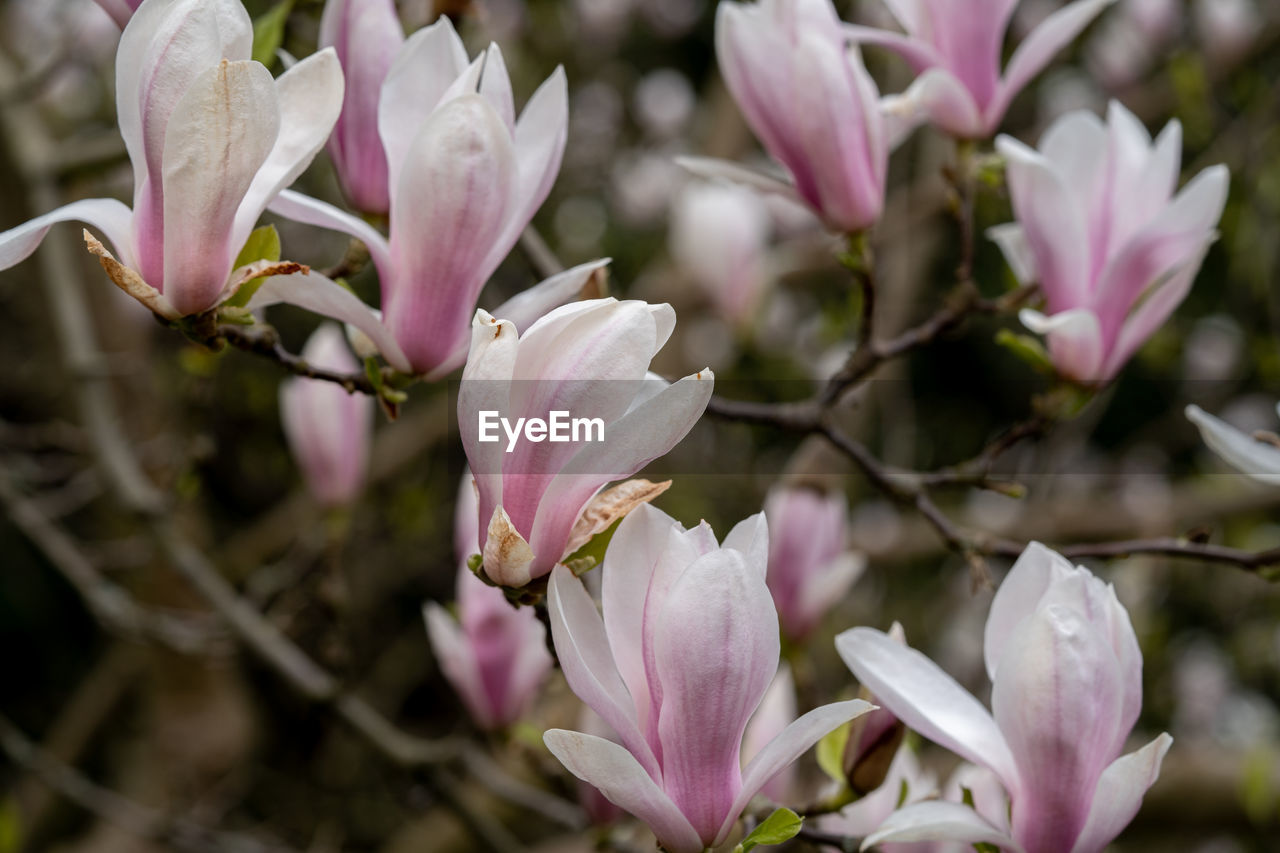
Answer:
(507, 556)
(609, 506)
(129, 281)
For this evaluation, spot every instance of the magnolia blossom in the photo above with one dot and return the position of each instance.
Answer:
(1259, 457)
(494, 654)
(538, 498)
(367, 36)
(120, 10)
(956, 49)
(464, 179)
(720, 239)
(685, 652)
(1228, 28)
(811, 102)
(328, 429)
(1066, 677)
(810, 565)
(212, 137)
(1099, 227)
(906, 782)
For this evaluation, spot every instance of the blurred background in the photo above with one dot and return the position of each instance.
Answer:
(211, 737)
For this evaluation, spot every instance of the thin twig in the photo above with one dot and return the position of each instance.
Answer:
(134, 818)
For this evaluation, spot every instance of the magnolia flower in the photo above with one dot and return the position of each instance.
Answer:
(956, 50)
(367, 36)
(1099, 228)
(810, 566)
(328, 430)
(213, 138)
(719, 237)
(494, 654)
(684, 654)
(1066, 677)
(538, 498)
(120, 10)
(811, 102)
(464, 179)
(1259, 457)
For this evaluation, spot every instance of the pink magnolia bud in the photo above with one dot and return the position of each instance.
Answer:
(367, 36)
(495, 654)
(719, 237)
(1066, 677)
(685, 652)
(589, 361)
(212, 137)
(465, 176)
(328, 429)
(120, 10)
(810, 566)
(810, 101)
(956, 51)
(1099, 227)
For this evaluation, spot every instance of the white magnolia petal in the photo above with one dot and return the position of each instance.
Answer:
(623, 782)
(310, 98)
(751, 537)
(787, 747)
(938, 820)
(1012, 241)
(1119, 794)
(1017, 596)
(926, 699)
(1258, 459)
(716, 169)
(310, 211)
(113, 218)
(314, 292)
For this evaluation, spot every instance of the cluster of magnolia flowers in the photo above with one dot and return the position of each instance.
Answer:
(679, 660)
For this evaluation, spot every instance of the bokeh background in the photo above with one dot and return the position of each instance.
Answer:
(214, 737)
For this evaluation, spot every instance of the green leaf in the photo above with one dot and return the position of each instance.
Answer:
(831, 752)
(268, 32)
(782, 825)
(591, 554)
(1027, 348)
(263, 245)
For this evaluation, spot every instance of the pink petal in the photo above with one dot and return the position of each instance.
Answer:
(423, 71)
(314, 292)
(462, 161)
(583, 650)
(540, 136)
(310, 211)
(616, 774)
(1075, 341)
(1036, 51)
(310, 98)
(1057, 698)
(457, 661)
(1017, 597)
(367, 36)
(786, 748)
(927, 699)
(111, 217)
(948, 104)
(716, 653)
(1119, 795)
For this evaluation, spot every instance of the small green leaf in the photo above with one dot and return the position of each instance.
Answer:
(593, 549)
(1026, 348)
(268, 32)
(831, 752)
(263, 245)
(782, 825)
